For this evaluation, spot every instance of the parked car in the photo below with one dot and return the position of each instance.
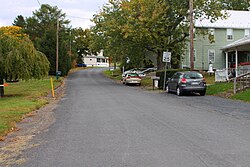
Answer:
(186, 81)
(131, 78)
(81, 65)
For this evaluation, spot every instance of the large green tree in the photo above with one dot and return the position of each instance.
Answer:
(81, 43)
(18, 57)
(42, 29)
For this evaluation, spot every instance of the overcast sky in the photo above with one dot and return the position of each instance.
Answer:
(78, 12)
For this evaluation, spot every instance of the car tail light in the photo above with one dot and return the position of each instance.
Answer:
(183, 80)
(128, 77)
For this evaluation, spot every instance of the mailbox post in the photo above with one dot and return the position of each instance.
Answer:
(58, 73)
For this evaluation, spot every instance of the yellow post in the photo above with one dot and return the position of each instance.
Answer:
(52, 87)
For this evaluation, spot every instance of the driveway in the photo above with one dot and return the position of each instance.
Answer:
(99, 123)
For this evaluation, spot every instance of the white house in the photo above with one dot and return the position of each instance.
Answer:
(96, 60)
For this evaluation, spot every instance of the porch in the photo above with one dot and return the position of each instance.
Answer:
(237, 57)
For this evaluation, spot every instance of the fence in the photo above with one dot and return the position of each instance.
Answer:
(241, 82)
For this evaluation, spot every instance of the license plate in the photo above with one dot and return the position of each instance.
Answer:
(195, 83)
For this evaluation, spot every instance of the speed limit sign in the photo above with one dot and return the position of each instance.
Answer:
(166, 57)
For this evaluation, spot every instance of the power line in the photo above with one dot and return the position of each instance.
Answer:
(38, 2)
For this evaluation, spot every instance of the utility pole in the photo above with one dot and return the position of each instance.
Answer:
(191, 33)
(57, 45)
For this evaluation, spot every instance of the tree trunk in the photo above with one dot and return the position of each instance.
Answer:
(160, 64)
(1, 87)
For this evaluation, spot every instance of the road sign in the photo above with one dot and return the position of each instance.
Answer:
(166, 57)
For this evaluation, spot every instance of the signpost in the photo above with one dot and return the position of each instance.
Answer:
(166, 58)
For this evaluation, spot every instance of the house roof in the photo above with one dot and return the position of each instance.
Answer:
(241, 45)
(235, 19)
(92, 56)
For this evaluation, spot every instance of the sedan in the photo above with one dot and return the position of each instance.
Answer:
(131, 78)
(186, 81)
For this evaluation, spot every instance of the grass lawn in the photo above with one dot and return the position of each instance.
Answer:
(245, 95)
(114, 74)
(219, 88)
(21, 98)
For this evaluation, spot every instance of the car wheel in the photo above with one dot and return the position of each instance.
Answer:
(203, 93)
(178, 91)
(167, 89)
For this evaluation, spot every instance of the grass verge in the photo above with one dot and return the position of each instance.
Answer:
(113, 74)
(219, 88)
(21, 98)
(244, 96)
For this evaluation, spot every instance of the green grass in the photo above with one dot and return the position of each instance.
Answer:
(244, 96)
(219, 88)
(210, 79)
(21, 98)
(113, 74)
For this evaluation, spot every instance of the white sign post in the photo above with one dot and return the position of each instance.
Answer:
(166, 58)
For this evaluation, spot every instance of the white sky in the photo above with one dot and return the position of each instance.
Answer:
(79, 12)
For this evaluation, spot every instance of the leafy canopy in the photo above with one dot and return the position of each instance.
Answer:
(18, 57)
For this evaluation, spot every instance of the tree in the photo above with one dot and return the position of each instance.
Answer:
(154, 25)
(236, 4)
(81, 43)
(18, 57)
(108, 35)
(42, 29)
(19, 21)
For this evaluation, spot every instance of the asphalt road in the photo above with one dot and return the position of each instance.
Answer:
(100, 123)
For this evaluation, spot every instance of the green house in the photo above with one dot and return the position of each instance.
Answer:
(230, 46)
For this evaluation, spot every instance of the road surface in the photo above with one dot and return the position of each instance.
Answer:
(100, 123)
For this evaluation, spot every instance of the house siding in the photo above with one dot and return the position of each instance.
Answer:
(202, 45)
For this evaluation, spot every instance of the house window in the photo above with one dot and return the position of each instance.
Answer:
(247, 32)
(211, 56)
(229, 34)
(98, 60)
(248, 57)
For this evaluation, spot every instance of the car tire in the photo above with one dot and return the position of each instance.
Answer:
(203, 93)
(178, 91)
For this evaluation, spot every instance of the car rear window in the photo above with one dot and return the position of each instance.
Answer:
(193, 75)
(133, 75)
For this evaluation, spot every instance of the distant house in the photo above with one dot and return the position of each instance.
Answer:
(96, 60)
(231, 44)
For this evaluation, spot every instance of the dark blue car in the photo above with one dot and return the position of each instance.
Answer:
(81, 65)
